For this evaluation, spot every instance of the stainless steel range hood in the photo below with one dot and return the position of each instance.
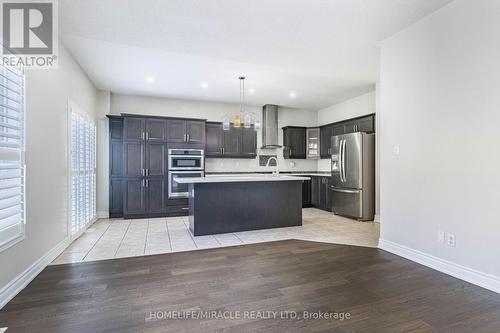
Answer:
(270, 127)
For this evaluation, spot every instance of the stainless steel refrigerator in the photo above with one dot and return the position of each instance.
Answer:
(353, 175)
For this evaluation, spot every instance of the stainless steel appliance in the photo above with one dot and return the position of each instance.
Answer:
(353, 175)
(176, 190)
(186, 159)
(184, 163)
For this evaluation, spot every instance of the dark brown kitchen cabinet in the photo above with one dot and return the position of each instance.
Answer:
(156, 198)
(176, 130)
(134, 128)
(315, 185)
(294, 142)
(360, 124)
(156, 159)
(195, 131)
(326, 133)
(366, 124)
(115, 197)
(156, 130)
(214, 139)
(185, 131)
(321, 192)
(232, 142)
(134, 199)
(306, 193)
(116, 129)
(248, 142)
(237, 142)
(133, 159)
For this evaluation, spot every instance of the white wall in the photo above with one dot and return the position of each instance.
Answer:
(47, 95)
(440, 102)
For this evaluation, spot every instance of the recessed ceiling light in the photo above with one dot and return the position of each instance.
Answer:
(204, 85)
(292, 94)
(150, 79)
(251, 90)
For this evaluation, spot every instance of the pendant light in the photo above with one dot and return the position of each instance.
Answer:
(243, 117)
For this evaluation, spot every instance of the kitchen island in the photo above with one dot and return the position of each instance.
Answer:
(221, 204)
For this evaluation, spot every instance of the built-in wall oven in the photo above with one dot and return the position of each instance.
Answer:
(184, 163)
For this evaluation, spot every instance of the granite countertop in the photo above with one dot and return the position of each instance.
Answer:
(235, 178)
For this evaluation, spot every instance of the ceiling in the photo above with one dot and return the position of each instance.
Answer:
(324, 51)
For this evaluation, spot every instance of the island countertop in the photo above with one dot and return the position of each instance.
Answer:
(239, 179)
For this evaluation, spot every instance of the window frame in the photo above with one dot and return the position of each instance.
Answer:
(21, 235)
(74, 108)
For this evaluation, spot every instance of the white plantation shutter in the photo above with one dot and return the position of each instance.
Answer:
(12, 167)
(83, 172)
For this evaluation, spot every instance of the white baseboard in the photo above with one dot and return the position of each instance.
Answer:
(376, 218)
(102, 215)
(22, 280)
(473, 276)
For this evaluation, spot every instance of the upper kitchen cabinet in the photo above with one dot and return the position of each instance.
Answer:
(214, 139)
(237, 142)
(294, 142)
(186, 131)
(326, 132)
(232, 142)
(361, 124)
(366, 124)
(195, 131)
(115, 128)
(134, 128)
(248, 142)
(313, 143)
(156, 130)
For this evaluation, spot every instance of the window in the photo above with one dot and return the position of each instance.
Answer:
(12, 166)
(83, 172)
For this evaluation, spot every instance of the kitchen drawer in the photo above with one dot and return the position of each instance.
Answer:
(178, 210)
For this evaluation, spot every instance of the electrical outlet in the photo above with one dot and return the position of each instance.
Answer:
(441, 236)
(450, 240)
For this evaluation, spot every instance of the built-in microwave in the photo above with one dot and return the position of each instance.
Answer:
(186, 159)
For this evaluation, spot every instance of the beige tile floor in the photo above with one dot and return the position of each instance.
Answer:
(119, 238)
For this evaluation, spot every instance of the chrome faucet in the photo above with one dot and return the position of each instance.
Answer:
(277, 171)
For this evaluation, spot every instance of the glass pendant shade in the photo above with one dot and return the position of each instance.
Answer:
(226, 123)
(247, 120)
(237, 121)
(257, 124)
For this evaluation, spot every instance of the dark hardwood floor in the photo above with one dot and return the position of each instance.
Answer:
(380, 291)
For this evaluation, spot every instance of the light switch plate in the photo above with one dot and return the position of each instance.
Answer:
(441, 236)
(396, 149)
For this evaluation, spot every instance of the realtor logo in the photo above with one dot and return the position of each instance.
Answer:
(29, 33)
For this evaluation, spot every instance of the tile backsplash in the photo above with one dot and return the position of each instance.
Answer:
(258, 163)
(264, 158)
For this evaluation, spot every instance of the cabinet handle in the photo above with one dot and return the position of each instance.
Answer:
(147, 182)
(184, 138)
(143, 183)
(147, 135)
(185, 208)
(188, 139)
(142, 136)
(147, 172)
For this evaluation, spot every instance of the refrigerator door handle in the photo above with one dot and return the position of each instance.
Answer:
(343, 160)
(344, 190)
(340, 160)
